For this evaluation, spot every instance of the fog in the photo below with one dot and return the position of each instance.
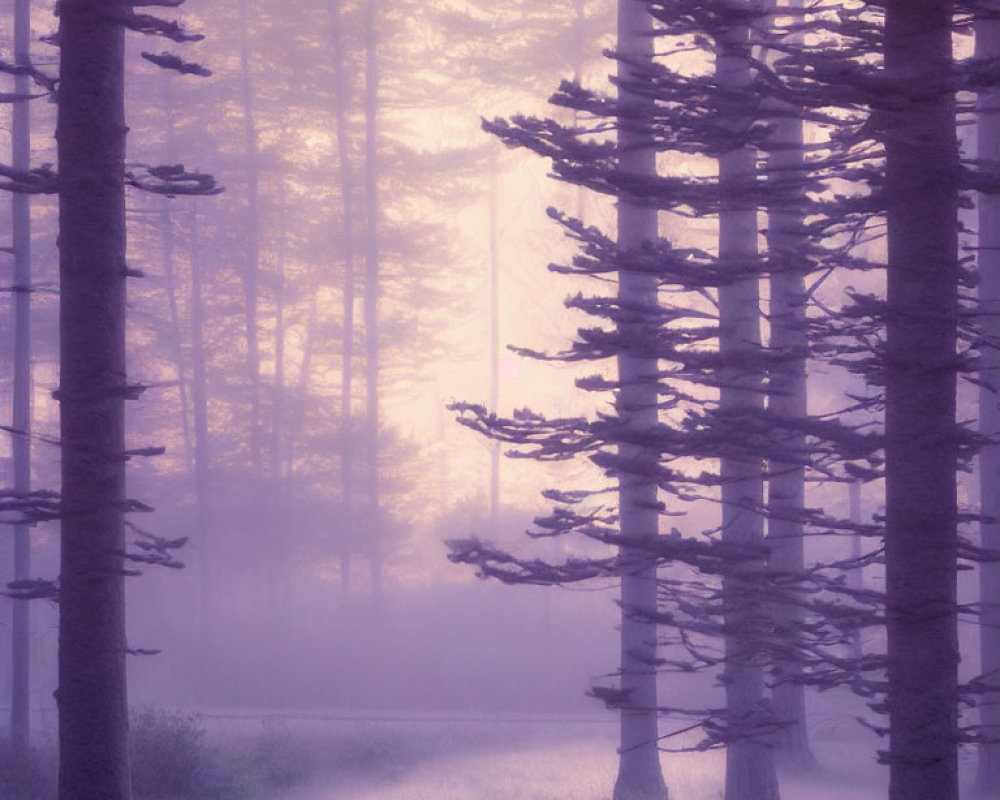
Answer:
(300, 341)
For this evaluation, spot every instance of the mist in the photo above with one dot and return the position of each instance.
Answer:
(590, 399)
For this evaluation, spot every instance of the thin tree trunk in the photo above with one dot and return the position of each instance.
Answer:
(639, 774)
(750, 769)
(252, 232)
(93, 712)
(167, 222)
(20, 712)
(346, 177)
(988, 126)
(374, 535)
(786, 240)
(920, 381)
(202, 453)
(494, 211)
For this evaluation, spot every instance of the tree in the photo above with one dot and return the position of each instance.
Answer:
(20, 712)
(93, 387)
(988, 255)
(93, 731)
(637, 407)
(920, 364)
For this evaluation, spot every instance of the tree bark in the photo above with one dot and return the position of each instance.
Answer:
(93, 715)
(20, 712)
(786, 240)
(750, 767)
(640, 776)
(920, 381)
(988, 126)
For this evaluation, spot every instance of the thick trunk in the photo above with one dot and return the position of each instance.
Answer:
(920, 378)
(639, 774)
(20, 724)
(786, 239)
(373, 543)
(93, 715)
(750, 769)
(988, 124)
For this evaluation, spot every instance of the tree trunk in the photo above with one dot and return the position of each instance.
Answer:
(346, 177)
(640, 776)
(374, 535)
(750, 769)
(988, 125)
(920, 379)
(252, 232)
(93, 714)
(202, 453)
(20, 712)
(786, 240)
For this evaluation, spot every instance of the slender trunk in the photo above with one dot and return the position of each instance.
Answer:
(167, 222)
(639, 774)
(786, 240)
(252, 232)
(202, 454)
(374, 537)
(920, 382)
(493, 211)
(750, 769)
(20, 713)
(93, 712)
(988, 125)
(346, 177)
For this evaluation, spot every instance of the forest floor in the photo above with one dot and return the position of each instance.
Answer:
(520, 758)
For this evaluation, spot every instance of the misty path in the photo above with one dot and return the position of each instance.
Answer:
(519, 758)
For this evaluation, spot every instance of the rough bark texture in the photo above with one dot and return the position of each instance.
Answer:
(750, 769)
(20, 713)
(93, 716)
(786, 239)
(639, 774)
(988, 769)
(920, 378)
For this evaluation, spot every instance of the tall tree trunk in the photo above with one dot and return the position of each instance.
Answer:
(920, 380)
(346, 179)
(252, 231)
(167, 223)
(639, 774)
(750, 769)
(93, 713)
(20, 713)
(494, 211)
(988, 125)
(202, 453)
(786, 240)
(374, 535)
